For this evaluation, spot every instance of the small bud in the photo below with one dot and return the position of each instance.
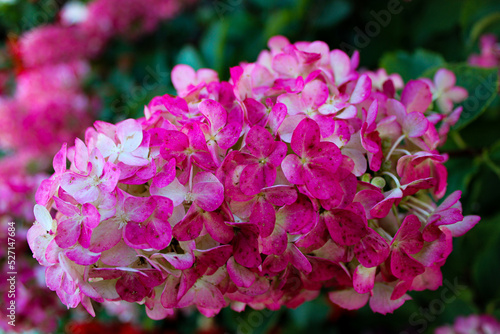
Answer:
(378, 182)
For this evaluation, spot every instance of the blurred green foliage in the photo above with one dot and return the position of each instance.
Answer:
(422, 36)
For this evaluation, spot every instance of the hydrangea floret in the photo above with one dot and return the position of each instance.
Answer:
(300, 173)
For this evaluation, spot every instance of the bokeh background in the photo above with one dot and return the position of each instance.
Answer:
(56, 86)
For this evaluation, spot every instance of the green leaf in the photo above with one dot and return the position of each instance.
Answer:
(213, 44)
(333, 13)
(410, 65)
(485, 269)
(250, 321)
(473, 12)
(481, 84)
(190, 56)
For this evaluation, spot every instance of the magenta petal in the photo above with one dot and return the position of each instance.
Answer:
(371, 250)
(404, 266)
(293, 169)
(408, 236)
(92, 216)
(345, 227)
(416, 96)
(305, 136)
(208, 190)
(415, 124)
(158, 233)
(190, 227)
(320, 182)
(280, 195)
(174, 144)
(381, 209)
(252, 179)
(229, 135)
(246, 248)
(264, 217)
(130, 289)
(362, 90)
(218, 230)
(240, 275)
(349, 299)
(214, 112)
(82, 256)
(105, 236)
(276, 243)
(298, 259)
(381, 301)
(363, 279)
(68, 232)
(259, 142)
(460, 228)
(297, 216)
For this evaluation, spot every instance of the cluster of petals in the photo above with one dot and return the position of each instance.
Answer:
(481, 324)
(297, 175)
(83, 30)
(32, 300)
(490, 52)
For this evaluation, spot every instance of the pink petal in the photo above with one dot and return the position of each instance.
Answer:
(218, 230)
(68, 232)
(246, 248)
(59, 161)
(209, 192)
(129, 132)
(415, 124)
(182, 77)
(460, 228)
(345, 227)
(372, 250)
(240, 275)
(416, 96)
(229, 135)
(259, 141)
(404, 266)
(297, 216)
(293, 169)
(105, 236)
(362, 90)
(82, 256)
(381, 301)
(276, 243)
(363, 279)
(305, 136)
(214, 112)
(349, 299)
(253, 179)
(263, 216)
(174, 191)
(280, 195)
(341, 66)
(444, 79)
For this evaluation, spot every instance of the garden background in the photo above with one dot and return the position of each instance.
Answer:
(412, 38)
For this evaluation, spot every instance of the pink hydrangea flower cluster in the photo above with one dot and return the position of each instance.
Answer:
(31, 297)
(301, 173)
(38, 122)
(480, 324)
(84, 30)
(490, 52)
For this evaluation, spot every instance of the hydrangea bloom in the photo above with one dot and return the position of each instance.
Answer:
(490, 52)
(480, 324)
(296, 175)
